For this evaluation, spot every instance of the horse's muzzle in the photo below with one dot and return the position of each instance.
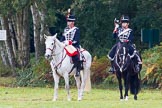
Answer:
(47, 56)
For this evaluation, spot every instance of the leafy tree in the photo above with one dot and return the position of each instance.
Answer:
(95, 20)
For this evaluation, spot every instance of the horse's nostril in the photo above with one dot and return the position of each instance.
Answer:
(46, 56)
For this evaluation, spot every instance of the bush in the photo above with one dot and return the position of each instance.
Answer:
(35, 75)
(4, 70)
(99, 70)
(152, 67)
(110, 81)
(39, 74)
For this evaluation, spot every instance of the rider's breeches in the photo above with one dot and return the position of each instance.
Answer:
(77, 62)
(112, 52)
(75, 58)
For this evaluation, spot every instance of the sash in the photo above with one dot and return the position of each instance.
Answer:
(126, 30)
(71, 50)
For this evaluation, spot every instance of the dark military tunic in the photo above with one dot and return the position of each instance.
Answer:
(73, 35)
(123, 35)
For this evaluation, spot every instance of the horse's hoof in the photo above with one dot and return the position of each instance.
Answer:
(135, 97)
(121, 99)
(79, 99)
(54, 99)
(69, 99)
(126, 98)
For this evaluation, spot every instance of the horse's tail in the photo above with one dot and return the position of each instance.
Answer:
(135, 82)
(86, 69)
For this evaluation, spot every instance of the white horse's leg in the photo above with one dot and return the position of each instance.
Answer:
(78, 83)
(126, 98)
(56, 82)
(83, 81)
(67, 87)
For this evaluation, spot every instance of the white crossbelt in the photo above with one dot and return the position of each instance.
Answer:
(70, 30)
(126, 30)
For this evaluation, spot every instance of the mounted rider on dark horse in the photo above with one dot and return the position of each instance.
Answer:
(125, 35)
(126, 62)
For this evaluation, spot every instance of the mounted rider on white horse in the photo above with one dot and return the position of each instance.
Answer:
(61, 53)
(71, 36)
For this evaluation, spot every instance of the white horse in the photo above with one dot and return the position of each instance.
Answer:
(61, 66)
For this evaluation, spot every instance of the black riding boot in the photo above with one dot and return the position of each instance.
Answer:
(138, 62)
(112, 70)
(77, 64)
(78, 68)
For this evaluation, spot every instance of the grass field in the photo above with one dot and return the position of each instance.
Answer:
(97, 98)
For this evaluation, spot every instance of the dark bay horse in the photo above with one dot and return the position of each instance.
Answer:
(124, 65)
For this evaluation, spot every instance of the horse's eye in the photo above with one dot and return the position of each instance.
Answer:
(52, 43)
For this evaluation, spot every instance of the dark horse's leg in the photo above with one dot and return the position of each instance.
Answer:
(119, 77)
(136, 87)
(126, 84)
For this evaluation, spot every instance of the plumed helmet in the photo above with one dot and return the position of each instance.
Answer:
(124, 19)
(71, 18)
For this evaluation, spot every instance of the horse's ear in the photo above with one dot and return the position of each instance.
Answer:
(45, 36)
(55, 35)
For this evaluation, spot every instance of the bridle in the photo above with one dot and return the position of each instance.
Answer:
(52, 50)
(56, 65)
(121, 57)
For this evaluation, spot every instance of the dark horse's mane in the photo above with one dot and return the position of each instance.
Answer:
(124, 65)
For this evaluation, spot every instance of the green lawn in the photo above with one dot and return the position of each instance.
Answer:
(97, 98)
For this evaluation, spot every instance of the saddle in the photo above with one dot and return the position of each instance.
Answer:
(81, 59)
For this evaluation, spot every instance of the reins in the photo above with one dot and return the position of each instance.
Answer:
(60, 63)
(119, 60)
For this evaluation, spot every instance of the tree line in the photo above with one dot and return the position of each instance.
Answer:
(27, 20)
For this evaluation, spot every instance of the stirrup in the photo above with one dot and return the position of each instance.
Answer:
(137, 68)
(111, 70)
(77, 74)
(81, 65)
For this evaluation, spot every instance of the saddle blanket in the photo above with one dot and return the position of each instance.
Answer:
(71, 50)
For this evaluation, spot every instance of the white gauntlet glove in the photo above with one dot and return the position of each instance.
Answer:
(116, 26)
(66, 42)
